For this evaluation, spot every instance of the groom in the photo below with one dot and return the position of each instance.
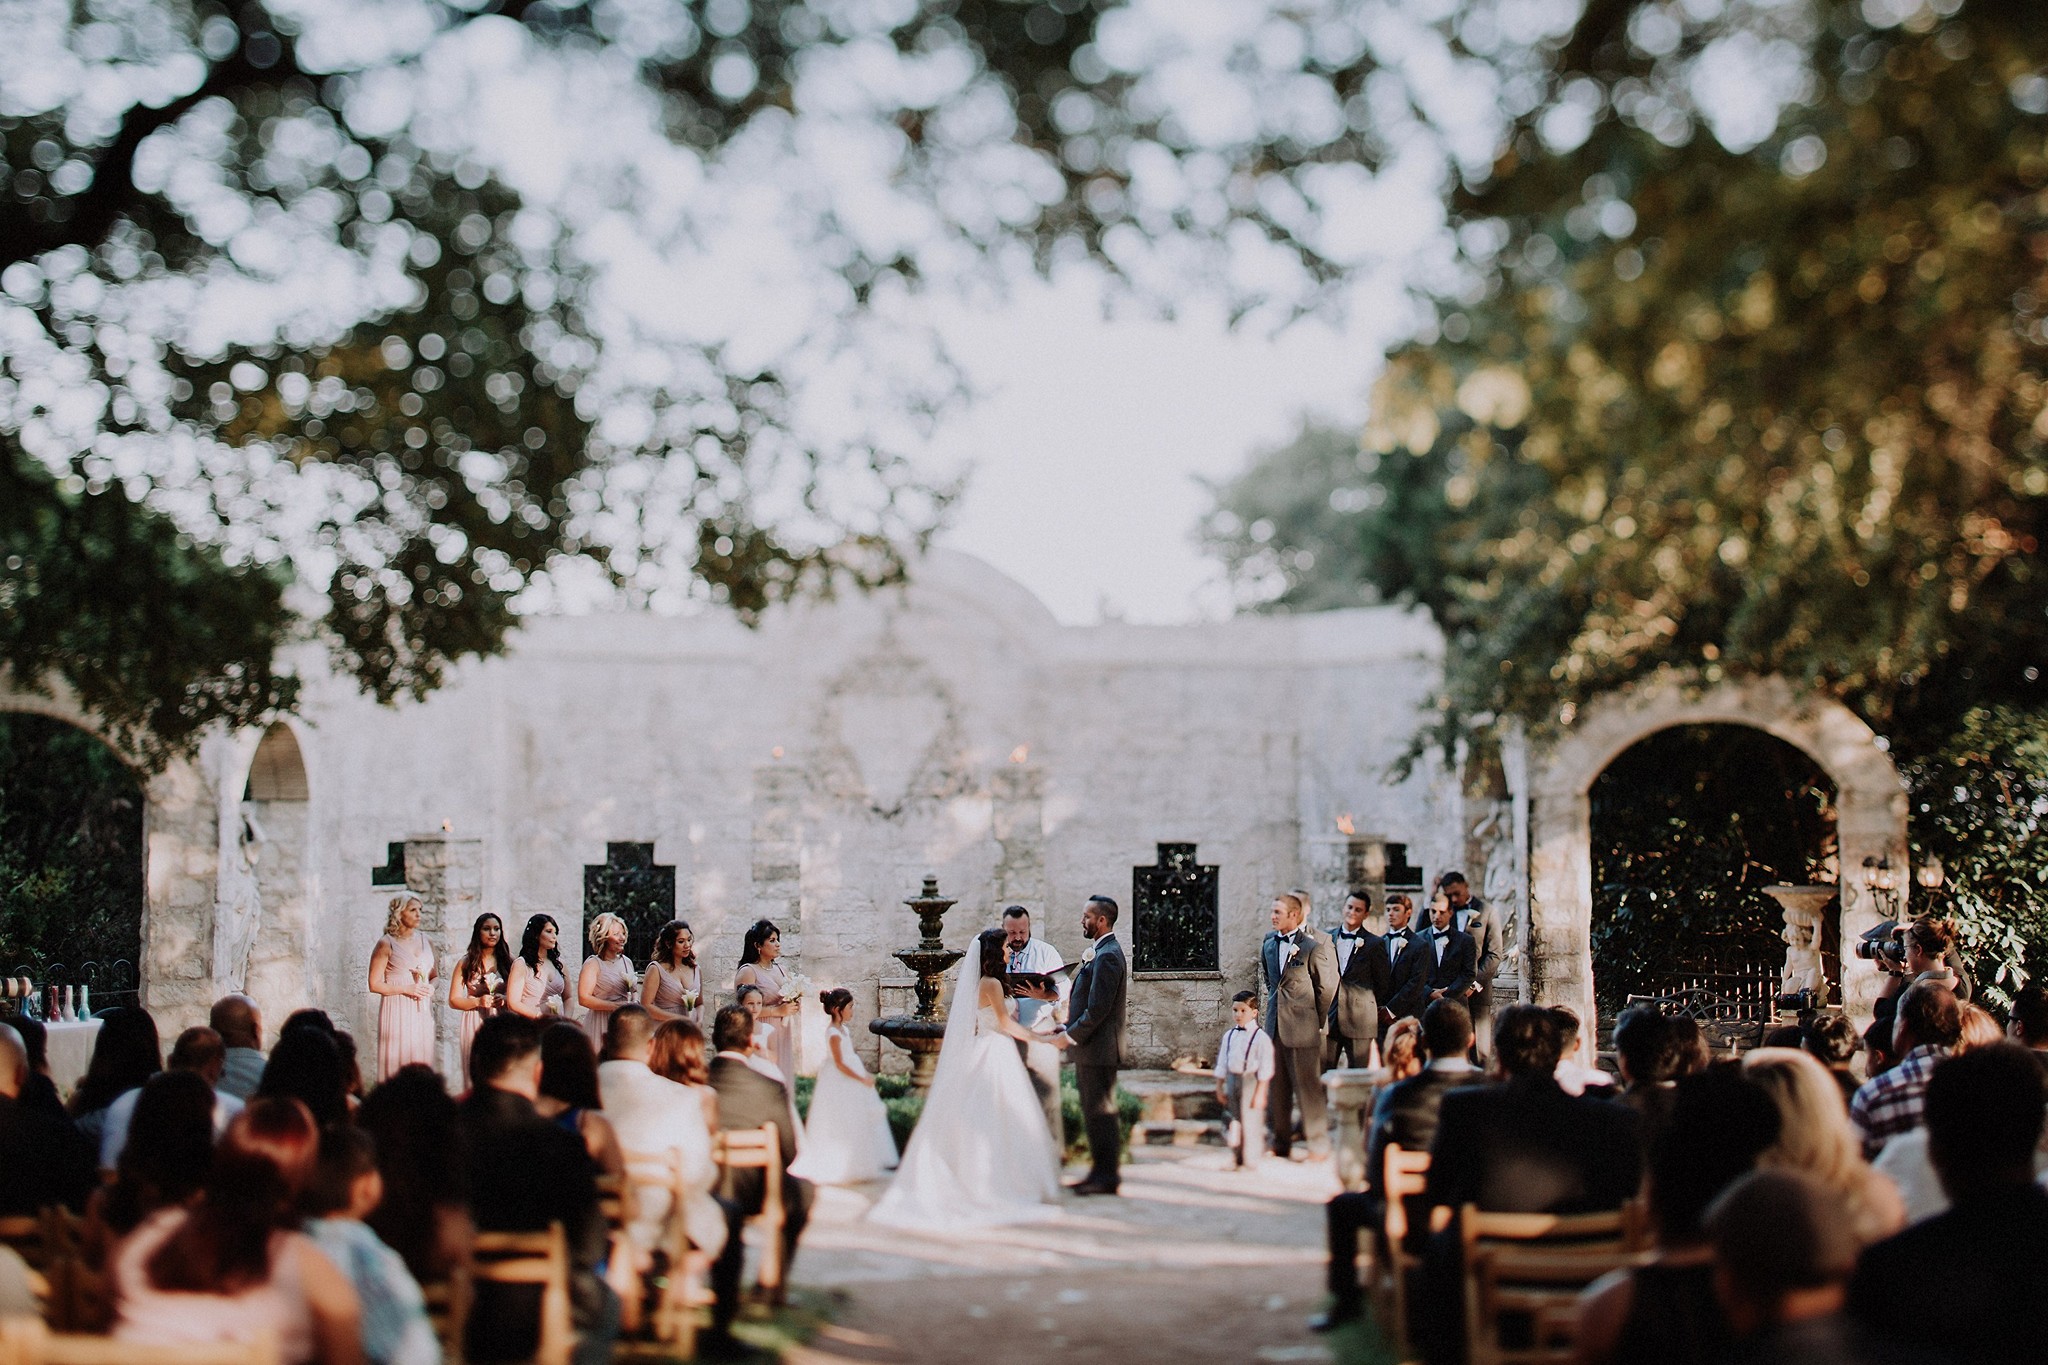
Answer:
(1095, 1036)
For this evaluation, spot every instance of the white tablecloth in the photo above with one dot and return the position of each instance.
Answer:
(71, 1052)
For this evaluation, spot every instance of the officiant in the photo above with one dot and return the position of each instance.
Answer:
(1026, 953)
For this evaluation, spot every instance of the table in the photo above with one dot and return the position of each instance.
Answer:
(71, 1051)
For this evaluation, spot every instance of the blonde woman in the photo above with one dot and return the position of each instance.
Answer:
(1816, 1138)
(606, 981)
(402, 972)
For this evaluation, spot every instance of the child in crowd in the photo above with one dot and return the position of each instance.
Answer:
(344, 1190)
(846, 1138)
(1244, 1068)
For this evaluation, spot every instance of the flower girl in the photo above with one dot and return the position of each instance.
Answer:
(847, 1137)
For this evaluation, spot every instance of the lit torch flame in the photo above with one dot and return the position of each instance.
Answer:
(1020, 753)
(1345, 826)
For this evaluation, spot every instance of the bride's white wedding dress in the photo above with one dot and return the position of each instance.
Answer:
(981, 1155)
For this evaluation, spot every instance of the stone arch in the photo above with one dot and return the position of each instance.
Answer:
(1870, 819)
(263, 918)
(180, 856)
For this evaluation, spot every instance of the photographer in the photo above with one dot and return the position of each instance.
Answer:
(1909, 954)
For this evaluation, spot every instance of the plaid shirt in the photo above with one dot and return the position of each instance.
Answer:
(1891, 1104)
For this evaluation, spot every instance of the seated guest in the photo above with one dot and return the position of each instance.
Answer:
(652, 1114)
(306, 1066)
(38, 1091)
(44, 1160)
(240, 1025)
(1984, 1113)
(2029, 1026)
(1647, 1056)
(169, 1155)
(1523, 1146)
(233, 1266)
(424, 1214)
(1831, 1040)
(1404, 1114)
(569, 1096)
(124, 1055)
(1573, 1075)
(198, 1051)
(525, 1173)
(1664, 1310)
(1815, 1136)
(749, 1099)
(344, 1189)
(1930, 1022)
(1783, 1252)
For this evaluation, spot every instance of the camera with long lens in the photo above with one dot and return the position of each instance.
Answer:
(1883, 942)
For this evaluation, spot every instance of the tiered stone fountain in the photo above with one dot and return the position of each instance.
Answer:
(921, 1033)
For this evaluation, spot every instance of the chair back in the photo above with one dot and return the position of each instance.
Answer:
(759, 1149)
(26, 1341)
(1529, 1268)
(520, 1258)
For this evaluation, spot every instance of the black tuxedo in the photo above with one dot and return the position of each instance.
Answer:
(1095, 1023)
(1363, 982)
(1408, 986)
(1991, 1254)
(747, 1099)
(1457, 973)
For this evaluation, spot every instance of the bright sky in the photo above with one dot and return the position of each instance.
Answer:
(1092, 437)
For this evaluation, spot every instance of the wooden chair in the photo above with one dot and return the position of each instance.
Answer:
(1529, 1265)
(1540, 1287)
(1404, 1174)
(532, 1258)
(25, 1341)
(675, 1314)
(751, 1149)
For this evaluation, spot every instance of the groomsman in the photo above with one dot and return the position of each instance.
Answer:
(1301, 986)
(1365, 978)
(1476, 918)
(1451, 954)
(1406, 948)
(1029, 953)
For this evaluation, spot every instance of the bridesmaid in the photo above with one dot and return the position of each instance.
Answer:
(401, 970)
(538, 988)
(476, 988)
(760, 966)
(674, 989)
(606, 980)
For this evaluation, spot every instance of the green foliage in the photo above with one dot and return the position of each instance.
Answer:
(1980, 804)
(1694, 410)
(1688, 826)
(71, 887)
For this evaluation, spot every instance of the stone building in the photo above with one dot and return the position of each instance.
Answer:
(811, 772)
(814, 770)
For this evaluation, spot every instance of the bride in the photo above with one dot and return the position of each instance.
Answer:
(981, 1155)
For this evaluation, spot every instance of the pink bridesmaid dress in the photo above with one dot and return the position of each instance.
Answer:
(405, 1026)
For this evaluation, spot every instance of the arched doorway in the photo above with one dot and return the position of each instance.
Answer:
(1870, 815)
(71, 859)
(1689, 825)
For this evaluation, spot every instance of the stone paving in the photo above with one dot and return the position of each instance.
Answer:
(1194, 1263)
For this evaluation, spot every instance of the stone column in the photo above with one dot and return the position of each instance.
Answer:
(447, 874)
